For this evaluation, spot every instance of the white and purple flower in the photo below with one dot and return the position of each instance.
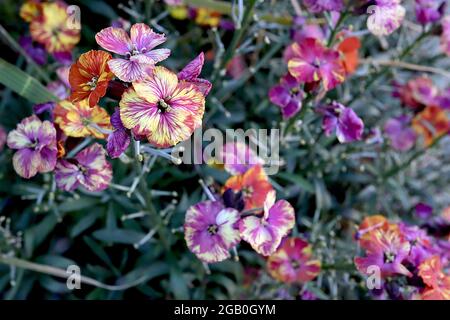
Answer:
(35, 141)
(211, 230)
(88, 168)
(138, 48)
(386, 16)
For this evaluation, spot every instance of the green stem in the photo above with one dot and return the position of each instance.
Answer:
(300, 115)
(341, 20)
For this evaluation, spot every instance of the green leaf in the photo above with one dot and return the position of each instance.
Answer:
(298, 180)
(24, 84)
(118, 236)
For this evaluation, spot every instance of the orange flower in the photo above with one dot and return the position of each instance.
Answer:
(254, 186)
(89, 76)
(350, 57)
(431, 123)
(79, 120)
(438, 283)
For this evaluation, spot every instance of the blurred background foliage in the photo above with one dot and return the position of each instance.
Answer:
(331, 186)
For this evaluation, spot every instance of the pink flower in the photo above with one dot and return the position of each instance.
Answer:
(88, 168)
(265, 234)
(211, 230)
(312, 62)
(287, 95)
(386, 16)
(138, 49)
(400, 133)
(429, 11)
(36, 144)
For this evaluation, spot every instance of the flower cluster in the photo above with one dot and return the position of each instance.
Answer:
(408, 259)
(247, 210)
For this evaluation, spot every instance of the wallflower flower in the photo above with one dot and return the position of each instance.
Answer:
(386, 16)
(191, 72)
(210, 230)
(237, 158)
(386, 250)
(431, 123)
(401, 135)
(254, 185)
(52, 30)
(428, 11)
(417, 93)
(30, 10)
(438, 283)
(265, 233)
(420, 242)
(36, 51)
(445, 36)
(349, 49)
(293, 263)
(313, 63)
(316, 6)
(370, 224)
(88, 168)
(36, 144)
(287, 95)
(344, 121)
(79, 120)
(423, 210)
(138, 49)
(119, 139)
(89, 77)
(162, 108)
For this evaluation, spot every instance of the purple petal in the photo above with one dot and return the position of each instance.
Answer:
(350, 127)
(193, 69)
(67, 175)
(143, 37)
(26, 163)
(158, 55)
(115, 40)
(126, 70)
(118, 142)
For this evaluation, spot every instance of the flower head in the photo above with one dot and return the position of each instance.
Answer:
(79, 120)
(191, 73)
(210, 230)
(138, 48)
(162, 108)
(293, 262)
(417, 93)
(344, 121)
(370, 224)
(431, 123)
(287, 95)
(349, 49)
(438, 283)
(119, 139)
(401, 135)
(386, 249)
(428, 11)
(254, 186)
(30, 10)
(386, 16)
(88, 168)
(420, 242)
(316, 6)
(36, 144)
(312, 62)
(51, 29)
(89, 77)
(265, 233)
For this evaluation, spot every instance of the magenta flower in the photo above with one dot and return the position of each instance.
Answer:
(138, 49)
(265, 233)
(429, 11)
(312, 62)
(237, 158)
(423, 210)
(342, 120)
(316, 6)
(191, 72)
(119, 139)
(35, 50)
(287, 95)
(36, 144)
(420, 243)
(88, 168)
(400, 133)
(210, 230)
(386, 16)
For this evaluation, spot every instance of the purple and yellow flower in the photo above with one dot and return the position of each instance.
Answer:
(191, 73)
(89, 76)
(237, 158)
(254, 186)
(429, 11)
(88, 168)
(317, 6)
(386, 249)
(400, 133)
(119, 139)
(342, 120)
(162, 108)
(50, 28)
(293, 262)
(386, 16)
(79, 120)
(265, 233)
(287, 95)
(138, 48)
(313, 63)
(210, 230)
(36, 144)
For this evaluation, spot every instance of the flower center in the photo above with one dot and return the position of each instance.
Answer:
(93, 83)
(389, 257)
(295, 264)
(247, 191)
(294, 91)
(163, 106)
(213, 229)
